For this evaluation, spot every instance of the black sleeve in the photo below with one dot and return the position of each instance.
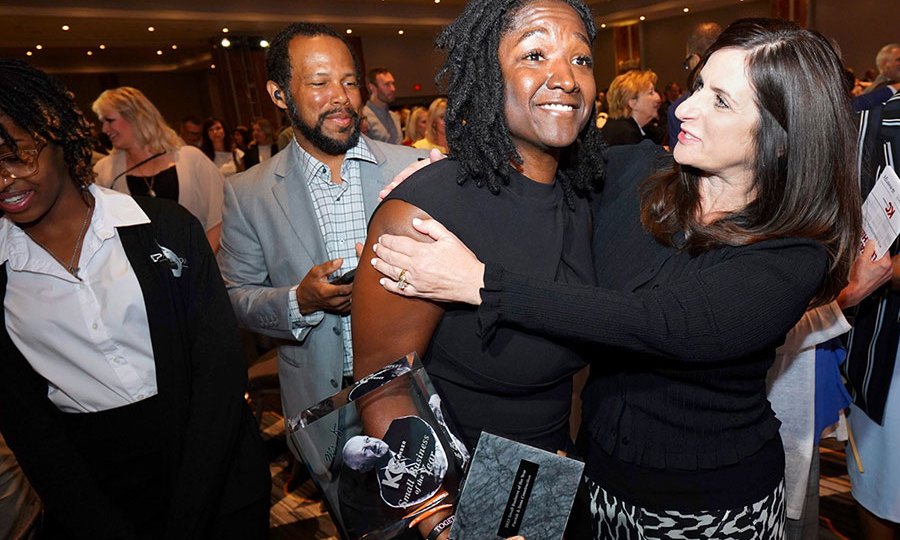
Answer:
(218, 380)
(741, 304)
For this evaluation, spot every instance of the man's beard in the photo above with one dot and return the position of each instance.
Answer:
(317, 137)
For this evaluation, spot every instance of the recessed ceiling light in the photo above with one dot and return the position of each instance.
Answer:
(263, 43)
(174, 47)
(151, 29)
(102, 47)
(225, 42)
(603, 25)
(225, 30)
(686, 9)
(437, 1)
(28, 53)
(90, 53)
(349, 30)
(65, 27)
(38, 47)
(159, 52)
(212, 66)
(400, 32)
(643, 18)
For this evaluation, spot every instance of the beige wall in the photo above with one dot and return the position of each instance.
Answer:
(174, 94)
(412, 60)
(860, 27)
(663, 42)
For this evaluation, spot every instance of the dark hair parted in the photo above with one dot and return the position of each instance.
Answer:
(477, 133)
(41, 105)
(803, 167)
(278, 58)
(206, 144)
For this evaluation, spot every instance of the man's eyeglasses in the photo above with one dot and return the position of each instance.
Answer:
(21, 164)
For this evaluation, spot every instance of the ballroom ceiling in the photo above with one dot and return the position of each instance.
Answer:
(107, 37)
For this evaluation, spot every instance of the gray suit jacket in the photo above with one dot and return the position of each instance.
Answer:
(377, 129)
(270, 240)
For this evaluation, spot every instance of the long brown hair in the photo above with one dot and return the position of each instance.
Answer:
(803, 171)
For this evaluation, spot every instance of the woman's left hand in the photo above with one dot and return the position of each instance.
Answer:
(445, 270)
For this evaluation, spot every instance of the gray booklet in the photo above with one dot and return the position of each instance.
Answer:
(512, 488)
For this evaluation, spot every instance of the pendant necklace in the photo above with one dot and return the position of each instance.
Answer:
(149, 183)
(70, 267)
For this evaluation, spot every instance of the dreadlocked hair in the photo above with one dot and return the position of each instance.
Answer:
(477, 133)
(41, 105)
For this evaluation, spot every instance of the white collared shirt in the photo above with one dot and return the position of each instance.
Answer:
(89, 338)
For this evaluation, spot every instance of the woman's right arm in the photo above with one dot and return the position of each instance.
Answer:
(387, 327)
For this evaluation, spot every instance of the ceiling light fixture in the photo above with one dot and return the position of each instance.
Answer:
(38, 47)
(686, 9)
(90, 53)
(643, 18)
(212, 66)
(159, 52)
(28, 53)
(102, 47)
(65, 27)
(174, 47)
(151, 29)
(400, 32)
(225, 42)
(264, 43)
(225, 30)
(349, 30)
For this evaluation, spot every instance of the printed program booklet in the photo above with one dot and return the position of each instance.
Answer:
(512, 488)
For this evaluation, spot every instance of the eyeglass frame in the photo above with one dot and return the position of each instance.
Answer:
(36, 152)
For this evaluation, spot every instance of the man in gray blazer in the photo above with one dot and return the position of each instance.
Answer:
(290, 225)
(384, 124)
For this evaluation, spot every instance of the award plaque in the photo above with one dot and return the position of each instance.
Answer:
(515, 489)
(380, 487)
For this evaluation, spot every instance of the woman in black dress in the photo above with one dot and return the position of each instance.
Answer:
(702, 271)
(514, 178)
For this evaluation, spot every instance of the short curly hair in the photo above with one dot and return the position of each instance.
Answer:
(42, 106)
(626, 87)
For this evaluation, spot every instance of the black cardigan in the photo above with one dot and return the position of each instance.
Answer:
(214, 457)
(684, 343)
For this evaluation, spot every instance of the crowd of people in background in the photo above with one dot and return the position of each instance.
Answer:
(275, 212)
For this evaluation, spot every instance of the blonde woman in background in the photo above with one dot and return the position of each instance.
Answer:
(435, 135)
(149, 159)
(416, 126)
(633, 108)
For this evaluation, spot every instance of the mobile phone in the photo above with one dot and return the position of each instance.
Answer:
(344, 279)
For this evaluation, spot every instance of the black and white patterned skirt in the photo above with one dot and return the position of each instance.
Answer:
(614, 519)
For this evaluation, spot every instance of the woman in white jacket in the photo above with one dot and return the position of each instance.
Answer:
(149, 159)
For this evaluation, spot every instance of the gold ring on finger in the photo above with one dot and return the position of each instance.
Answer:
(401, 280)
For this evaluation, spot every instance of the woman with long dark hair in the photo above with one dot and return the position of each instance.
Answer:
(217, 144)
